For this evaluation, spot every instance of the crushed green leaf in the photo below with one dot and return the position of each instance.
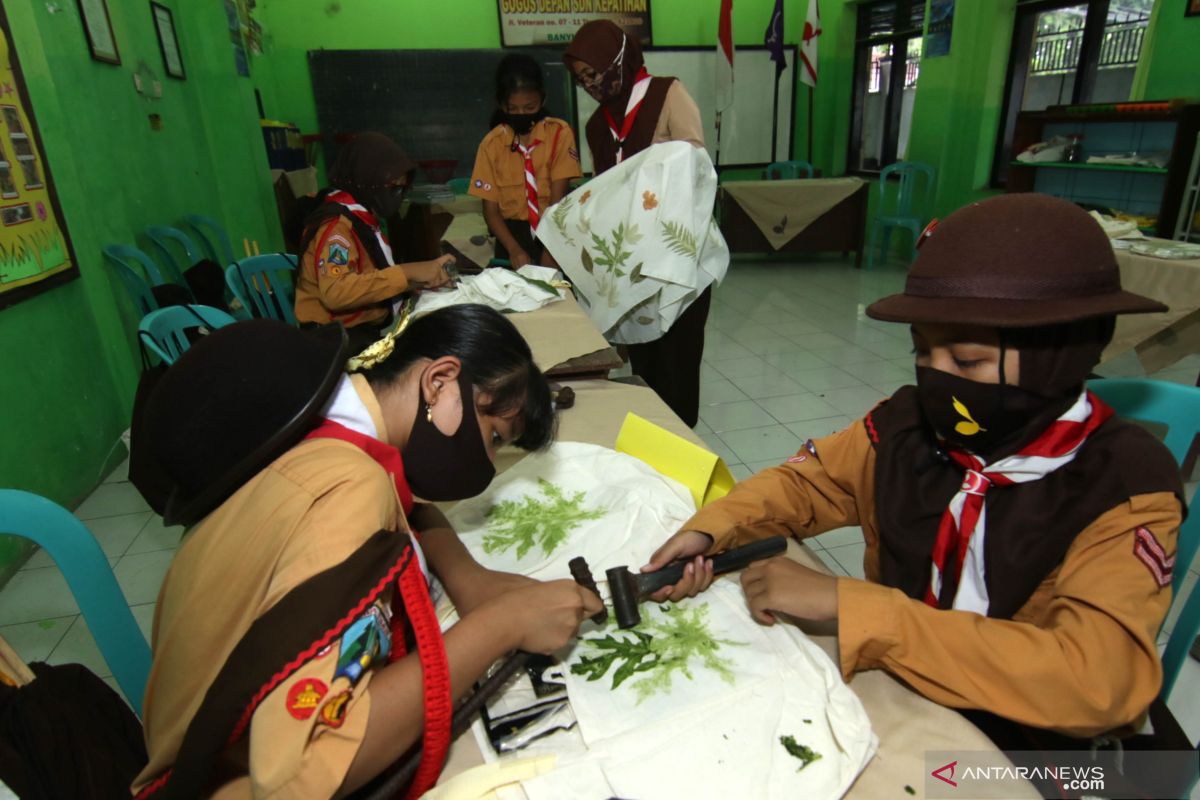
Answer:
(909, 790)
(530, 522)
(660, 647)
(806, 754)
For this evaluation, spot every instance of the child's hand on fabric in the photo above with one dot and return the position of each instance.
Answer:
(545, 616)
(697, 576)
(519, 258)
(428, 274)
(785, 586)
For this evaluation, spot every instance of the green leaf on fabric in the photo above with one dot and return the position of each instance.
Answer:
(532, 521)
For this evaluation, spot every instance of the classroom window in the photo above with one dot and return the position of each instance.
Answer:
(1066, 52)
(887, 63)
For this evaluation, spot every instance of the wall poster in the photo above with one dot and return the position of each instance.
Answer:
(35, 252)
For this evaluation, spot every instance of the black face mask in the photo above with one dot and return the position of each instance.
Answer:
(455, 467)
(973, 416)
(523, 123)
(386, 201)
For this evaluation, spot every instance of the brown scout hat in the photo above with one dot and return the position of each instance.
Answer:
(1013, 261)
(233, 403)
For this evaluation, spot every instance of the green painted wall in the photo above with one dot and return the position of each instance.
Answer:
(70, 362)
(293, 27)
(1171, 67)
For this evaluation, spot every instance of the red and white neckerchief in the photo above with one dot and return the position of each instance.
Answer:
(531, 187)
(640, 86)
(961, 532)
(360, 211)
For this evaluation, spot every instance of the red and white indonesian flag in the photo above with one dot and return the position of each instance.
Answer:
(808, 47)
(725, 56)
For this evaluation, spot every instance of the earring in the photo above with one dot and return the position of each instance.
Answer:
(429, 413)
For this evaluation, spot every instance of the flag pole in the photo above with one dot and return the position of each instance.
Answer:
(811, 91)
(775, 120)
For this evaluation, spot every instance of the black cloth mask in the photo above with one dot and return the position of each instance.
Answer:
(977, 417)
(440, 467)
(523, 123)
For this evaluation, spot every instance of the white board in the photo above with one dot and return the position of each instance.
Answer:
(746, 124)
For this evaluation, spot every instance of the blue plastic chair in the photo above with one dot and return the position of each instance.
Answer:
(908, 209)
(459, 185)
(786, 170)
(213, 238)
(1178, 407)
(164, 331)
(266, 285)
(126, 261)
(162, 236)
(84, 565)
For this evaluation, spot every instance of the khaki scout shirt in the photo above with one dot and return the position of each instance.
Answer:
(341, 282)
(679, 120)
(305, 513)
(1078, 658)
(499, 173)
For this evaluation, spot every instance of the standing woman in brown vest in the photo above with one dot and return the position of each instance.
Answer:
(637, 111)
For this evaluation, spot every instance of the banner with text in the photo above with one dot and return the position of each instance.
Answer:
(525, 23)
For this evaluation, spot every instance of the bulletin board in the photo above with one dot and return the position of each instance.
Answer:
(35, 252)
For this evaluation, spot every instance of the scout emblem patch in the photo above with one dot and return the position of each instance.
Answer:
(333, 713)
(368, 640)
(338, 253)
(1147, 549)
(304, 697)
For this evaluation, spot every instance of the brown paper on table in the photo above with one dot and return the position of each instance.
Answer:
(1160, 339)
(906, 723)
(783, 209)
(558, 332)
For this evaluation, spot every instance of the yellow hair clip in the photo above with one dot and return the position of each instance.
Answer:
(379, 350)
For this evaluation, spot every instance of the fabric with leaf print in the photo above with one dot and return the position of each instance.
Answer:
(639, 242)
(708, 688)
(573, 500)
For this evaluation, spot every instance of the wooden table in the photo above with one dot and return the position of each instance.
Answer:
(1159, 339)
(907, 724)
(840, 228)
(565, 343)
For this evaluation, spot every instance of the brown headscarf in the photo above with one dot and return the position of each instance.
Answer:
(599, 44)
(366, 167)
(1030, 525)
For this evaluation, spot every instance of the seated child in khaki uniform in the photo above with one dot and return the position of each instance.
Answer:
(296, 648)
(1019, 538)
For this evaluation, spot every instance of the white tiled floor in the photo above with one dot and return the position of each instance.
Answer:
(789, 355)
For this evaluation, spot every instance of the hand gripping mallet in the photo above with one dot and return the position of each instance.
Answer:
(629, 588)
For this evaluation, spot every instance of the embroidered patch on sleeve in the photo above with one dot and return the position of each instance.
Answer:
(304, 697)
(801, 457)
(333, 713)
(337, 254)
(1146, 548)
(573, 153)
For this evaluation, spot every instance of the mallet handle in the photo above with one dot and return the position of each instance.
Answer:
(728, 561)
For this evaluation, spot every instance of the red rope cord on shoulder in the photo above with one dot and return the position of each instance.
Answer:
(435, 671)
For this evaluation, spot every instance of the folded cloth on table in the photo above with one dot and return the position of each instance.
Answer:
(527, 289)
(639, 241)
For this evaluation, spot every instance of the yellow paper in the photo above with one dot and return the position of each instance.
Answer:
(484, 780)
(704, 473)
